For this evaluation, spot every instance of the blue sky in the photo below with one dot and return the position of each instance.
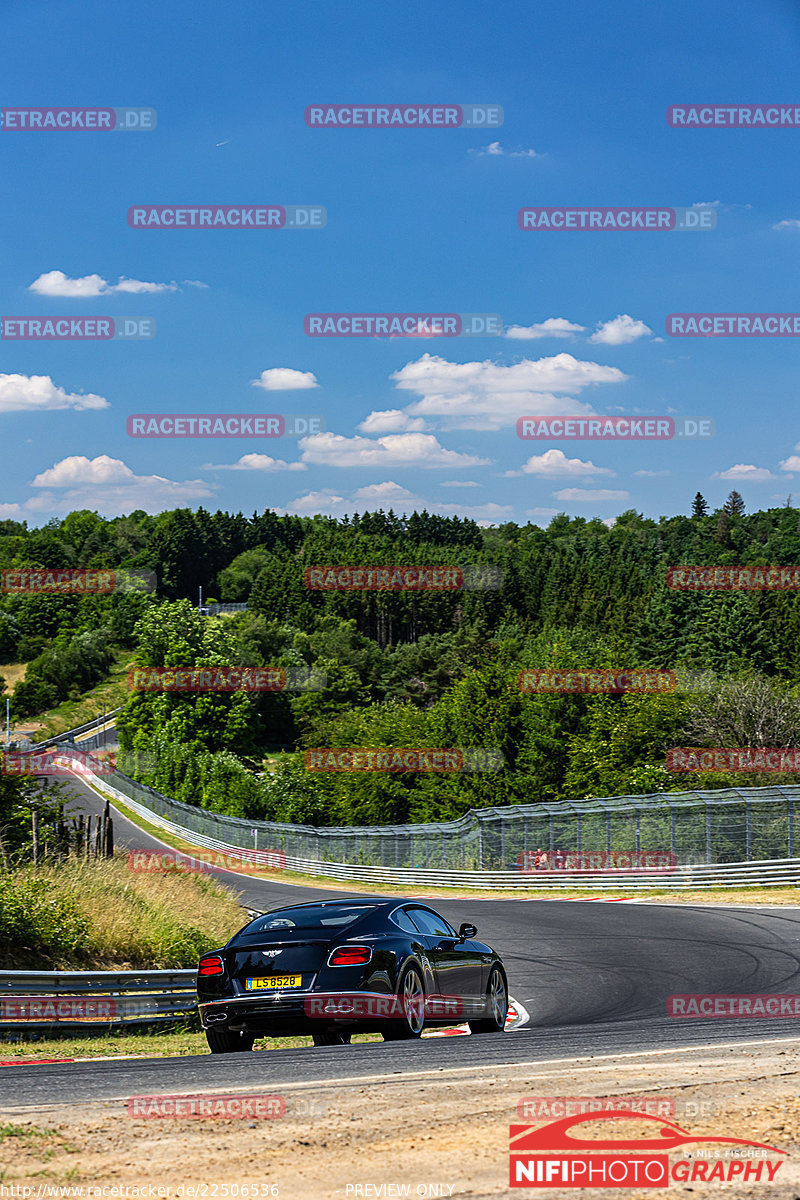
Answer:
(417, 221)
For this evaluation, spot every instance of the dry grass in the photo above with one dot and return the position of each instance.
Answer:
(12, 673)
(133, 919)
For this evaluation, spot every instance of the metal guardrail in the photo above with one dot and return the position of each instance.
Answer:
(94, 999)
(762, 873)
(69, 735)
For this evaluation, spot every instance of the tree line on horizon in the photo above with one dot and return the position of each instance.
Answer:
(415, 668)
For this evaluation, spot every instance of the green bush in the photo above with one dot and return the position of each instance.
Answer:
(34, 919)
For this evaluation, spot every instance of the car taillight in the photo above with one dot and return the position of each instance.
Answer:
(212, 965)
(350, 956)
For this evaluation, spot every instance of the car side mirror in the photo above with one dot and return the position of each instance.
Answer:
(467, 931)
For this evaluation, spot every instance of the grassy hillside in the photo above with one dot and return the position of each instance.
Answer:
(100, 915)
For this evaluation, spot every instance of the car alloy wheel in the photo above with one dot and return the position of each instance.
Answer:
(411, 995)
(496, 1005)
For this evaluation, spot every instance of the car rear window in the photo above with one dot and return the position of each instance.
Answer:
(314, 916)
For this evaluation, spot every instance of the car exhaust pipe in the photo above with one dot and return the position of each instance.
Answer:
(212, 1017)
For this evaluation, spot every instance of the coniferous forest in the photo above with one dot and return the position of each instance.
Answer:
(416, 668)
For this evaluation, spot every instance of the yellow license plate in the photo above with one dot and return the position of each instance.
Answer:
(273, 981)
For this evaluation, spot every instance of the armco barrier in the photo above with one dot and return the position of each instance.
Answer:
(43, 999)
(779, 872)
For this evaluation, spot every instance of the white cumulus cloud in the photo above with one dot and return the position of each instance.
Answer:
(38, 393)
(109, 486)
(391, 420)
(619, 331)
(393, 450)
(495, 150)
(555, 462)
(285, 379)
(56, 283)
(746, 471)
(553, 327)
(488, 395)
(385, 493)
(256, 462)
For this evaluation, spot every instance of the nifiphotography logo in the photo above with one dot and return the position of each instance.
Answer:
(556, 1155)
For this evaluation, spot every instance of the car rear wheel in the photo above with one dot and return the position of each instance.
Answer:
(331, 1039)
(224, 1041)
(496, 1005)
(411, 997)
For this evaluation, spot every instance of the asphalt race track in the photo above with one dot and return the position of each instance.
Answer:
(593, 977)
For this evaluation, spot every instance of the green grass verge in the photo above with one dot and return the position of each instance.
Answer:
(111, 693)
(97, 914)
(169, 1043)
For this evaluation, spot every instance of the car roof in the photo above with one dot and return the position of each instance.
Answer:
(347, 902)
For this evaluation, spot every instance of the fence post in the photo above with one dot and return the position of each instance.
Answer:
(708, 830)
(748, 831)
(790, 829)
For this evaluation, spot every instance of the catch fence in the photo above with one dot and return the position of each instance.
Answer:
(728, 826)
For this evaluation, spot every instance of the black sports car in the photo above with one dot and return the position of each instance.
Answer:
(332, 968)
